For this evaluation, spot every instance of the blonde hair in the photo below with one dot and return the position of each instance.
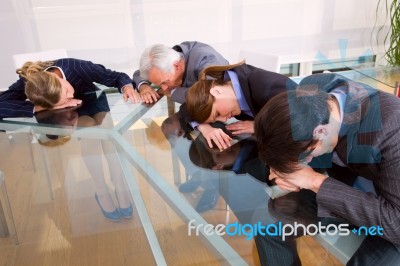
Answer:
(60, 140)
(41, 87)
(199, 101)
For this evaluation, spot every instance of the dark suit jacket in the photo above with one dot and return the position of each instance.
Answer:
(197, 56)
(369, 144)
(81, 74)
(258, 87)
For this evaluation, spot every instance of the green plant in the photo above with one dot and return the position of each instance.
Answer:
(392, 36)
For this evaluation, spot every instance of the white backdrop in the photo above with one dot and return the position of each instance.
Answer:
(114, 33)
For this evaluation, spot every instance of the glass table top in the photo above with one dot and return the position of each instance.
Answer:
(113, 183)
(105, 154)
(385, 78)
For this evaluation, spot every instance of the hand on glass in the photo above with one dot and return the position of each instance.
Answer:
(216, 135)
(148, 94)
(241, 127)
(131, 93)
(304, 178)
(281, 182)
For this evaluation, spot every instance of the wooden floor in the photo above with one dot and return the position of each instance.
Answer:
(70, 230)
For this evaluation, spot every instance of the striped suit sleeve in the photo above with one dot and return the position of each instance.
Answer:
(13, 102)
(92, 72)
(367, 209)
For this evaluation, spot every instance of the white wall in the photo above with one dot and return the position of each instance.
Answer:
(115, 33)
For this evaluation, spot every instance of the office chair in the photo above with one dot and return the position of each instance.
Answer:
(265, 61)
(20, 59)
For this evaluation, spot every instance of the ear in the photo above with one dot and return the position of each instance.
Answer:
(320, 132)
(214, 91)
(176, 65)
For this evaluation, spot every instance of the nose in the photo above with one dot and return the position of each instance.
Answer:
(222, 119)
(164, 87)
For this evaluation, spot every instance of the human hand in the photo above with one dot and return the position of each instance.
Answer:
(220, 138)
(131, 93)
(241, 127)
(68, 103)
(304, 178)
(148, 94)
(282, 182)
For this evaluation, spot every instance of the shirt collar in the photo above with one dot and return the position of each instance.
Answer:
(62, 72)
(341, 98)
(232, 75)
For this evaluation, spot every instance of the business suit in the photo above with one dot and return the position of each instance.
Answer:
(197, 56)
(79, 73)
(369, 146)
(258, 87)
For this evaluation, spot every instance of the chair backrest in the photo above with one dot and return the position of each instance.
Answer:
(265, 61)
(20, 59)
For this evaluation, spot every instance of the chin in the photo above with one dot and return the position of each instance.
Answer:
(330, 149)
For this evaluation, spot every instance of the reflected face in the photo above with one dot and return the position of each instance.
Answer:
(226, 158)
(71, 119)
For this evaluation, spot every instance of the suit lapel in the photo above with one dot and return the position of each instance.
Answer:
(243, 72)
(357, 122)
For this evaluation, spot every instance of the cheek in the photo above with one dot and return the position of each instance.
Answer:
(317, 151)
(71, 89)
(176, 83)
(225, 110)
(335, 141)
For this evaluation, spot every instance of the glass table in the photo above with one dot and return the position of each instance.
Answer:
(60, 200)
(384, 78)
(133, 157)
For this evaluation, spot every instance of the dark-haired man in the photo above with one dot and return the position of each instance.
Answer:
(351, 130)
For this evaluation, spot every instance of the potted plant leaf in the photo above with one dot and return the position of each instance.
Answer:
(391, 39)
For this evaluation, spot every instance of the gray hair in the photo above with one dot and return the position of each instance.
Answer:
(158, 56)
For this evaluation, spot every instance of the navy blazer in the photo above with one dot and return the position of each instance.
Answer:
(79, 73)
(369, 145)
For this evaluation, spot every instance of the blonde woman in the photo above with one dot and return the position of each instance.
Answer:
(69, 82)
(58, 84)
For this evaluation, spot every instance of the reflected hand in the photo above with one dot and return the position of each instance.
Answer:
(241, 127)
(69, 103)
(220, 138)
(148, 94)
(281, 182)
(304, 178)
(131, 93)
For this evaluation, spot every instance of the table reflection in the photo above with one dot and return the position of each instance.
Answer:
(386, 78)
(93, 112)
(241, 179)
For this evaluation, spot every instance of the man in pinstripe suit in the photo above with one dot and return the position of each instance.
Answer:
(333, 123)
